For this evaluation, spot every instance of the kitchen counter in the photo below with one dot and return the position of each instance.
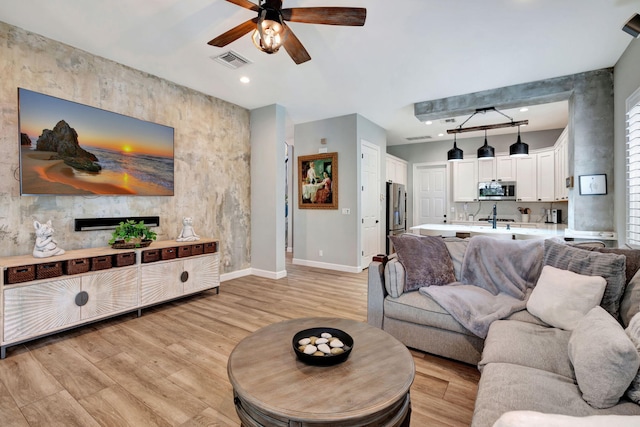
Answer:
(517, 230)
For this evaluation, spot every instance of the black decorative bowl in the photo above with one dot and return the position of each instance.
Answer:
(327, 359)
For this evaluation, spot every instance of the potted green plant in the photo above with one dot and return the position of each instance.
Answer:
(131, 234)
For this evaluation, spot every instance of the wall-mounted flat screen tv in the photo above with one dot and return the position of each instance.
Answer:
(68, 148)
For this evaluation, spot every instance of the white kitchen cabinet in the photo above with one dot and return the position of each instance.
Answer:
(562, 166)
(396, 169)
(500, 168)
(486, 170)
(545, 163)
(526, 179)
(465, 180)
(505, 168)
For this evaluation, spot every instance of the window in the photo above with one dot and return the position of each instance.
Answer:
(633, 168)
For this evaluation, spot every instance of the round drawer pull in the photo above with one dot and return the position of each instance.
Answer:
(82, 298)
(184, 276)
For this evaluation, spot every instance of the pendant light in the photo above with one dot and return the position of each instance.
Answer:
(519, 149)
(486, 151)
(455, 154)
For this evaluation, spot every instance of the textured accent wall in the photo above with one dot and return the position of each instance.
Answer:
(212, 150)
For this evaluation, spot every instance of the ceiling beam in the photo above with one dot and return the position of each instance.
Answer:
(525, 94)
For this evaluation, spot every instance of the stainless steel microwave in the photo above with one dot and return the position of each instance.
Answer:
(497, 190)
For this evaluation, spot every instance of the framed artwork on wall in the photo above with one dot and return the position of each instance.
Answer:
(593, 185)
(318, 181)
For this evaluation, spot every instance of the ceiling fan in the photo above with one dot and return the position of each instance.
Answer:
(270, 31)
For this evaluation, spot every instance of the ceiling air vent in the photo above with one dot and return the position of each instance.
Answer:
(232, 60)
(418, 138)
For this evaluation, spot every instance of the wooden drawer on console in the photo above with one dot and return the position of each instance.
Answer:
(23, 273)
(184, 251)
(49, 270)
(76, 266)
(101, 262)
(151, 255)
(168, 253)
(122, 260)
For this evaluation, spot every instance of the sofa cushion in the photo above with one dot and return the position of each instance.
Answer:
(527, 344)
(590, 263)
(633, 332)
(630, 304)
(537, 419)
(425, 259)
(604, 359)
(417, 308)
(507, 387)
(394, 276)
(561, 298)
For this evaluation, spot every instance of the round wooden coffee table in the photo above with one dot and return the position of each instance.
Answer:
(273, 388)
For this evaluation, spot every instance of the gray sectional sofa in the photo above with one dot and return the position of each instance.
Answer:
(529, 368)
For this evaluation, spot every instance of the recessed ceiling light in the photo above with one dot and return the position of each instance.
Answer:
(524, 109)
(428, 122)
(245, 79)
(441, 134)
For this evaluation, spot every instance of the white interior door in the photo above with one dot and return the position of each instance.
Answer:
(430, 194)
(370, 168)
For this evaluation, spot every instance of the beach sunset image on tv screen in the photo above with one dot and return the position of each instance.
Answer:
(68, 148)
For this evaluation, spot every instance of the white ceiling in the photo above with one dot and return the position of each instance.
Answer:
(408, 51)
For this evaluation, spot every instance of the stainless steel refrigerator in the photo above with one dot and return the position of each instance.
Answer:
(396, 212)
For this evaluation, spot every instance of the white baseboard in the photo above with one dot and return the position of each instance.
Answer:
(235, 274)
(275, 275)
(328, 266)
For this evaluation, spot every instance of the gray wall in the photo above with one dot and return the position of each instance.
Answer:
(268, 191)
(337, 235)
(626, 80)
(212, 150)
(436, 152)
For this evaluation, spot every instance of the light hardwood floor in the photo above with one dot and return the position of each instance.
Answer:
(168, 367)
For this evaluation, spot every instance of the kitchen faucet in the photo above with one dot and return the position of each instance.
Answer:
(494, 217)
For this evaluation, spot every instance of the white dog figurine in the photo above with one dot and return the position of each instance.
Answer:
(45, 245)
(187, 234)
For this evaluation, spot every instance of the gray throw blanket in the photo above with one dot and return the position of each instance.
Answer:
(496, 279)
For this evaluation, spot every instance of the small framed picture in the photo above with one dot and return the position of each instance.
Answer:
(593, 185)
(318, 181)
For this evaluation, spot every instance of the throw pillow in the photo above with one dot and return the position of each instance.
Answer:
(610, 266)
(630, 304)
(604, 359)
(456, 247)
(633, 332)
(394, 277)
(426, 261)
(562, 298)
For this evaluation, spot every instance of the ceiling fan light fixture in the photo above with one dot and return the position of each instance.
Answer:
(455, 154)
(486, 151)
(270, 33)
(519, 149)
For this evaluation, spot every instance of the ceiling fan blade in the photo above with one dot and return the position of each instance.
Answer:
(246, 4)
(294, 48)
(352, 16)
(235, 33)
